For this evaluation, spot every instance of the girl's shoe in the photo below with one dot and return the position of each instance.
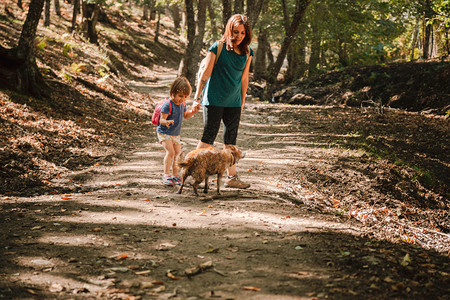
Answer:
(176, 180)
(167, 180)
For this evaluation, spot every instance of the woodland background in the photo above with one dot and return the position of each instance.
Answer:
(294, 40)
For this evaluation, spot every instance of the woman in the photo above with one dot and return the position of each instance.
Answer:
(223, 85)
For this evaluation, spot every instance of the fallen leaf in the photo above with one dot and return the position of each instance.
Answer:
(171, 276)
(32, 292)
(406, 260)
(251, 288)
(120, 269)
(146, 285)
(122, 256)
(56, 287)
(142, 272)
(96, 229)
(159, 289)
(212, 250)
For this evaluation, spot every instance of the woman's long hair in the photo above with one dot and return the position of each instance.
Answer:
(227, 37)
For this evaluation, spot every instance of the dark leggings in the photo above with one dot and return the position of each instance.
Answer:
(213, 116)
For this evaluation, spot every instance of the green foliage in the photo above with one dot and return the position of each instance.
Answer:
(67, 48)
(103, 70)
(78, 68)
(66, 76)
(427, 178)
(42, 44)
(95, 1)
(375, 76)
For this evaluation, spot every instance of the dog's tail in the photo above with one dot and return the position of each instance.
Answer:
(183, 163)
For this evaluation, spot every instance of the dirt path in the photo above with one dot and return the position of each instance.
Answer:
(126, 236)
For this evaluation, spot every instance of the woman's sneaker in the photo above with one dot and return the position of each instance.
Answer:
(176, 180)
(167, 180)
(234, 182)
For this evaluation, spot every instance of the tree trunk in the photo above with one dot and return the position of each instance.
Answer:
(158, 23)
(427, 42)
(414, 40)
(226, 12)
(259, 71)
(175, 9)
(314, 58)
(47, 13)
(263, 53)
(342, 52)
(428, 30)
(152, 5)
(212, 19)
(189, 64)
(57, 8)
(300, 9)
(238, 6)
(146, 11)
(297, 57)
(254, 8)
(18, 69)
(90, 17)
(76, 8)
(447, 43)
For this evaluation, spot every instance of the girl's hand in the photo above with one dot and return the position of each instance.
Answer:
(168, 123)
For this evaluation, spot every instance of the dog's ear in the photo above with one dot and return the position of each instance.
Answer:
(233, 158)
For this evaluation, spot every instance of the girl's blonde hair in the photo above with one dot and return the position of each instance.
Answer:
(180, 85)
(227, 37)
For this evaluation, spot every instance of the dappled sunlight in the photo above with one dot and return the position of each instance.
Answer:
(74, 240)
(206, 216)
(268, 125)
(57, 283)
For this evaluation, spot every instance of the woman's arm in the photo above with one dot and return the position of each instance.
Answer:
(210, 58)
(244, 81)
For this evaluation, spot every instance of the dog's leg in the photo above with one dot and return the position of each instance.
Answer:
(205, 190)
(196, 184)
(183, 179)
(219, 181)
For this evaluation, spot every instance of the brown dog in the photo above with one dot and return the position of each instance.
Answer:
(201, 163)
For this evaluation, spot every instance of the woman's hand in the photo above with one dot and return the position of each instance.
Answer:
(196, 105)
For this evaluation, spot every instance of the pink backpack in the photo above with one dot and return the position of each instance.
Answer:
(157, 113)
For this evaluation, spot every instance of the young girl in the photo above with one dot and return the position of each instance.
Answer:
(168, 131)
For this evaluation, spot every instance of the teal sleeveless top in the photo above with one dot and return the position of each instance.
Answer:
(223, 87)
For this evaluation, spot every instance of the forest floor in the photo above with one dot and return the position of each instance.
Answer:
(345, 202)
